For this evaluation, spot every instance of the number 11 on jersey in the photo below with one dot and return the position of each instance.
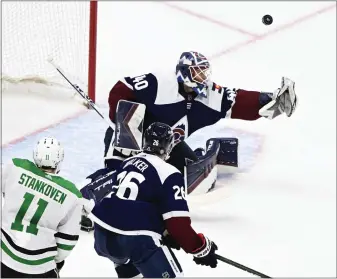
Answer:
(17, 225)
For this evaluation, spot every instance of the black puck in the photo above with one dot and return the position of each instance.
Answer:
(267, 19)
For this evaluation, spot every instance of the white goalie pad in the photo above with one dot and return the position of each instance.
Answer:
(129, 125)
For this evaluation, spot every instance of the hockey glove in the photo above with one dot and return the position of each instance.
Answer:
(169, 241)
(284, 100)
(205, 255)
(86, 224)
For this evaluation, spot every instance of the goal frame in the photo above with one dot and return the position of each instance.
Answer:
(92, 50)
(89, 61)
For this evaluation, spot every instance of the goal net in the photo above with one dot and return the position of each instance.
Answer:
(32, 32)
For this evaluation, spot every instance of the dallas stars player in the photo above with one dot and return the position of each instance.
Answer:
(40, 215)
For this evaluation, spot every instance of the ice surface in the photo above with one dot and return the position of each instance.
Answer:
(278, 214)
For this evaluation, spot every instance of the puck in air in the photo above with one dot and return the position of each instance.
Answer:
(267, 19)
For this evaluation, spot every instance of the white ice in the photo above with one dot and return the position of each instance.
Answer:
(278, 214)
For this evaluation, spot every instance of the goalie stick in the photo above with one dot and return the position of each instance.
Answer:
(96, 108)
(82, 94)
(240, 266)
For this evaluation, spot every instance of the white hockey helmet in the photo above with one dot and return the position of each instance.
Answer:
(48, 153)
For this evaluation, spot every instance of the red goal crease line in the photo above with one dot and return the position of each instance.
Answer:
(22, 138)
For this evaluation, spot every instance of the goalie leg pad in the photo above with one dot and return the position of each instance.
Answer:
(200, 176)
(227, 159)
(128, 134)
(220, 154)
(112, 152)
(129, 125)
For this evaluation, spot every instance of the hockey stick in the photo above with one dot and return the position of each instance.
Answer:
(81, 93)
(240, 266)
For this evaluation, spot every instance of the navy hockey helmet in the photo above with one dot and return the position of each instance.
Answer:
(194, 70)
(158, 139)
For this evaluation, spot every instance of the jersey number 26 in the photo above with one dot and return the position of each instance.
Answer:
(125, 184)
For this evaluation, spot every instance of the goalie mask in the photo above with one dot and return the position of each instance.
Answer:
(194, 70)
(158, 139)
(48, 153)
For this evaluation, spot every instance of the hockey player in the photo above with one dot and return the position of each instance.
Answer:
(136, 204)
(40, 215)
(189, 100)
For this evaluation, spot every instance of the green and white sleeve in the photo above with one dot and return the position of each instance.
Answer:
(68, 233)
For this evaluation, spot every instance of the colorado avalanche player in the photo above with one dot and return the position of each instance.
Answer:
(188, 101)
(137, 204)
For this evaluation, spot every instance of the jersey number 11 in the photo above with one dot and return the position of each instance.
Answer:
(32, 227)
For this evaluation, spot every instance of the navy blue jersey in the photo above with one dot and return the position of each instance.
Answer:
(146, 192)
(167, 101)
(160, 93)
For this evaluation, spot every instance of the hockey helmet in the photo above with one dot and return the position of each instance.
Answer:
(48, 153)
(194, 70)
(158, 139)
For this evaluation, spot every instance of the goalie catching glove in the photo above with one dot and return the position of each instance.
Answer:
(284, 100)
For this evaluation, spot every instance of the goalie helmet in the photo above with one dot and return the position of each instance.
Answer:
(194, 70)
(48, 153)
(158, 139)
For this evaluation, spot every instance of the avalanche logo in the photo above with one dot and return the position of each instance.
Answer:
(180, 130)
(179, 133)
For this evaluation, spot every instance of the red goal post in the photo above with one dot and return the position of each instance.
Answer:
(32, 32)
(92, 50)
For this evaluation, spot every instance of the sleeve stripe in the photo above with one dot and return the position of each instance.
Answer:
(66, 236)
(26, 251)
(172, 214)
(65, 247)
(65, 242)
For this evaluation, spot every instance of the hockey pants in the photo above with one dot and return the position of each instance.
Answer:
(136, 254)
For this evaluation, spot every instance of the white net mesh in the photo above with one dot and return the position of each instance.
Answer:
(34, 31)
